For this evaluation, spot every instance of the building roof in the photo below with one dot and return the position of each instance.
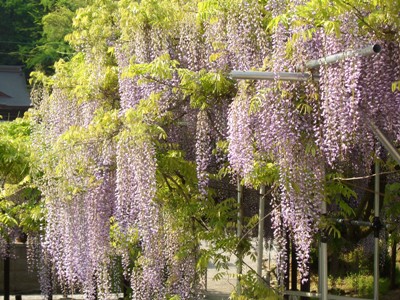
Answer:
(13, 88)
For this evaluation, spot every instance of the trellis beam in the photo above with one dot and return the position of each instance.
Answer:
(385, 141)
(376, 230)
(311, 64)
(298, 76)
(330, 59)
(282, 76)
(260, 246)
(239, 233)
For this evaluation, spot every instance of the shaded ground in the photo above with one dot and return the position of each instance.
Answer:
(391, 295)
(221, 289)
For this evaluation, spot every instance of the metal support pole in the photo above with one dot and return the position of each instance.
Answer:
(323, 261)
(268, 279)
(239, 262)
(312, 64)
(7, 278)
(282, 76)
(315, 63)
(376, 232)
(260, 249)
(385, 141)
(7, 273)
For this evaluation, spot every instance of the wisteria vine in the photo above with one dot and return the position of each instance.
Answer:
(163, 85)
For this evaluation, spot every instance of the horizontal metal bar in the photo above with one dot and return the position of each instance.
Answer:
(302, 294)
(336, 297)
(318, 295)
(315, 63)
(385, 141)
(283, 76)
(298, 76)
(354, 222)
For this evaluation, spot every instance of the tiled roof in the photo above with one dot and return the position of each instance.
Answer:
(13, 88)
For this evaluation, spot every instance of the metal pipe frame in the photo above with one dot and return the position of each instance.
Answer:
(312, 64)
(354, 222)
(239, 262)
(385, 141)
(376, 233)
(260, 247)
(318, 295)
(315, 63)
(323, 261)
(281, 76)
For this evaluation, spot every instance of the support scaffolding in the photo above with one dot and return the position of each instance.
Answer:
(377, 227)
(260, 247)
(376, 224)
(239, 261)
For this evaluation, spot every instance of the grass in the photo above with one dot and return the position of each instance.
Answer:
(357, 285)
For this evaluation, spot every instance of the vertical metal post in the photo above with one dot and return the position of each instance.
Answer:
(294, 266)
(7, 273)
(376, 231)
(323, 261)
(260, 249)
(239, 262)
(268, 279)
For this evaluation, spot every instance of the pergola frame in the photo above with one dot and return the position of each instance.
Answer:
(376, 224)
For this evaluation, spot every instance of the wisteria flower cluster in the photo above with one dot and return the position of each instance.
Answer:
(163, 86)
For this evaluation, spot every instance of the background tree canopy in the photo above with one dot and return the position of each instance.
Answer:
(32, 32)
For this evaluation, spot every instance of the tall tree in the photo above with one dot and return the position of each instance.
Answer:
(19, 27)
(32, 32)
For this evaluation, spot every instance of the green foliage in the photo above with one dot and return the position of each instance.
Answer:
(33, 32)
(130, 241)
(161, 68)
(395, 86)
(359, 285)
(263, 173)
(253, 288)
(338, 192)
(14, 143)
(392, 209)
(56, 25)
(94, 27)
(204, 220)
(208, 10)
(19, 206)
(162, 15)
(92, 74)
(379, 17)
(19, 29)
(372, 15)
(204, 88)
